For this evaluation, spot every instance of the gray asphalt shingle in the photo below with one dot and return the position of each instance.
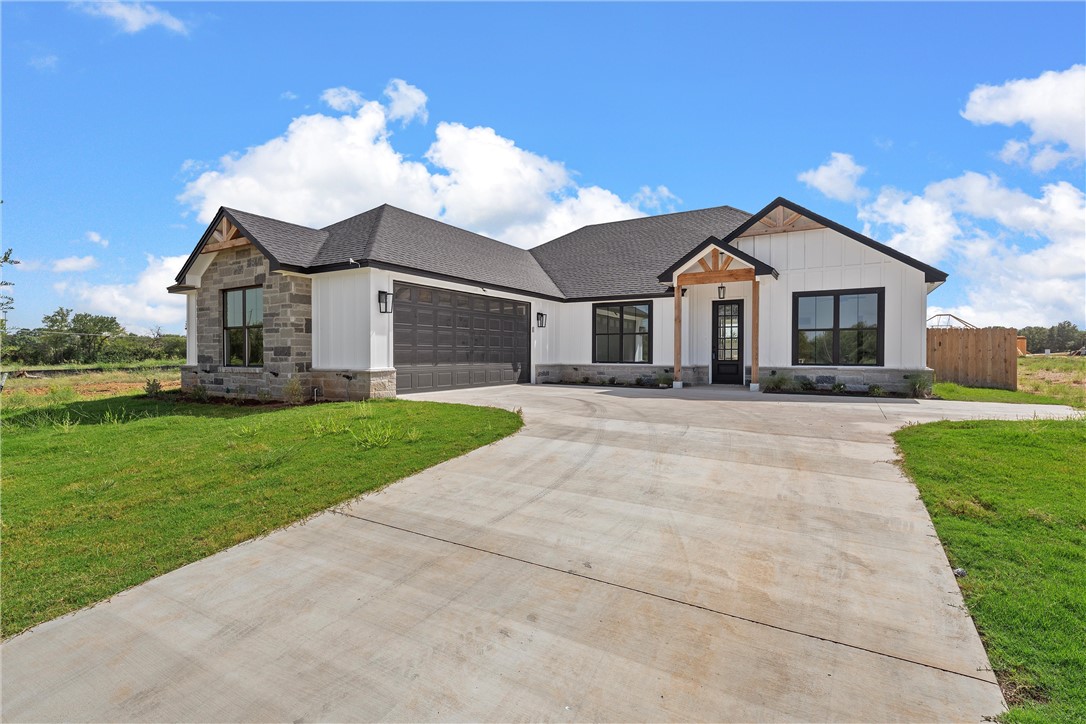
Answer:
(614, 259)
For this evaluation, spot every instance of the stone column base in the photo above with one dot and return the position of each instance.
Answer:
(354, 384)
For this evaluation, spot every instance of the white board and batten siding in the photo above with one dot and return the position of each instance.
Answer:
(823, 259)
(344, 339)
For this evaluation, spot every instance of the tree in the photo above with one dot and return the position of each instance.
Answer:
(93, 331)
(7, 302)
(1061, 337)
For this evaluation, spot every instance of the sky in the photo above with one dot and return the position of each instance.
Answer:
(953, 132)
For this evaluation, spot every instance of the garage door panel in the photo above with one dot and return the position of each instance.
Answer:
(444, 339)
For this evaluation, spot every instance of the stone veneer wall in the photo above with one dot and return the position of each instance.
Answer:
(363, 384)
(602, 373)
(288, 329)
(855, 379)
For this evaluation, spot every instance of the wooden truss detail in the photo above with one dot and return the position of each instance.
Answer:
(780, 221)
(225, 236)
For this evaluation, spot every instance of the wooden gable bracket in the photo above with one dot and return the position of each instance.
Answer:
(225, 236)
(715, 261)
(780, 221)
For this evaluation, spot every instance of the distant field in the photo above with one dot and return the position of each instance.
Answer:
(104, 366)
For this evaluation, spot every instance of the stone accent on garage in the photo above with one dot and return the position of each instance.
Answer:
(288, 329)
(353, 384)
(855, 379)
(603, 374)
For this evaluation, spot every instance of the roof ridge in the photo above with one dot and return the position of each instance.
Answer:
(660, 216)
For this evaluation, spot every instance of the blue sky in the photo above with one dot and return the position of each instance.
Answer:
(954, 132)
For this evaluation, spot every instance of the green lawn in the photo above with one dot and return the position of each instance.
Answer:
(100, 495)
(100, 367)
(1008, 500)
(954, 391)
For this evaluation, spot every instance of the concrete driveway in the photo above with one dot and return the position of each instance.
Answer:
(631, 555)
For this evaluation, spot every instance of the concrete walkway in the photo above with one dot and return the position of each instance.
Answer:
(692, 554)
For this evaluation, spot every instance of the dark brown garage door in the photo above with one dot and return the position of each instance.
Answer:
(443, 339)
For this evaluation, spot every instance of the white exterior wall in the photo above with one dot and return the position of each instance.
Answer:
(826, 260)
(816, 260)
(190, 329)
(344, 338)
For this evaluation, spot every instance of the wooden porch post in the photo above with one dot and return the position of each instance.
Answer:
(754, 332)
(678, 333)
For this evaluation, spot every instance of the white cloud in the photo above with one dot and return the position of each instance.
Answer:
(132, 17)
(837, 178)
(342, 98)
(74, 264)
(44, 62)
(95, 238)
(974, 220)
(141, 305)
(658, 200)
(405, 102)
(288, 96)
(1053, 106)
(326, 168)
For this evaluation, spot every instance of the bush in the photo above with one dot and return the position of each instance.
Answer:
(198, 393)
(778, 383)
(292, 391)
(838, 387)
(665, 379)
(807, 384)
(919, 384)
(876, 391)
(152, 388)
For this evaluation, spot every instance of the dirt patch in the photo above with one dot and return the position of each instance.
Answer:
(100, 389)
(1017, 692)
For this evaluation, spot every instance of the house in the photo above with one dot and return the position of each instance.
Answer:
(389, 301)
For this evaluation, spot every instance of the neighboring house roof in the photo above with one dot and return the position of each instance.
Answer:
(601, 261)
(623, 258)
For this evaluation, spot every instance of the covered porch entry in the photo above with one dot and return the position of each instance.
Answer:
(726, 286)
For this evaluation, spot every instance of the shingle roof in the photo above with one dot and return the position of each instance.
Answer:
(624, 257)
(393, 236)
(615, 259)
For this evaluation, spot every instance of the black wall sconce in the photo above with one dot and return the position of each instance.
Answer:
(540, 320)
(384, 302)
(720, 292)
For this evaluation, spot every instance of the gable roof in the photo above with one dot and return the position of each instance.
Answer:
(391, 238)
(622, 258)
(760, 267)
(931, 274)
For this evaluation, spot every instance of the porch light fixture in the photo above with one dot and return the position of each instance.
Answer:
(720, 292)
(540, 320)
(384, 302)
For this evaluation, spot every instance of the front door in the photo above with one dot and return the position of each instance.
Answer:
(728, 343)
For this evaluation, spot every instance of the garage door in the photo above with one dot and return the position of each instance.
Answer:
(444, 339)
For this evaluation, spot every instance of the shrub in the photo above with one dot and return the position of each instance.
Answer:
(199, 393)
(152, 388)
(919, 385)
(838, 387)
(292, 391)
(611, 380)
(876, 391)
(807, 384)
(665, 379)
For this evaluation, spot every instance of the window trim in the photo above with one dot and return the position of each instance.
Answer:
(244, 326)
(621, 334)
(880, 344)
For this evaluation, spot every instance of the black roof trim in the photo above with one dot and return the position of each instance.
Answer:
(931, 274)
(180, 288)
(427, 275)
(273, 263)
(760, 267)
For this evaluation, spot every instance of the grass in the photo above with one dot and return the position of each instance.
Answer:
(1041, 380)
(1008, 500)
(102, 494)
(101, 366)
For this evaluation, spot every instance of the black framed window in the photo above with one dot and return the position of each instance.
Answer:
(622, 332)
(841, 327)
(243, 327)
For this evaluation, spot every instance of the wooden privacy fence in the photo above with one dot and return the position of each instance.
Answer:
(975, 357)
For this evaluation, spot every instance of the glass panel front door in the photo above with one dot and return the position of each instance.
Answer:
(728, 343)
